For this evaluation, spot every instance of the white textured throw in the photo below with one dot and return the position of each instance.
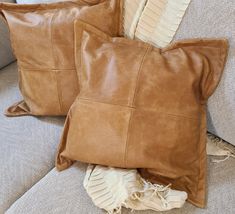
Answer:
(217, 147)
(160, 21)
(113, 188)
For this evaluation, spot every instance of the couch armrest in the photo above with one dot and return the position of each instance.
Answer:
(6, 55)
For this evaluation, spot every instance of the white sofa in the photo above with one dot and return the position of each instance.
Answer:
(29, 183)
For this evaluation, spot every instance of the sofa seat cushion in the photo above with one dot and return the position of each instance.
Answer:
(63, 192)
(214, 19)
(57, 192)
(27, 144)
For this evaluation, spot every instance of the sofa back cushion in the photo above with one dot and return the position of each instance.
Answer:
(219, 22)
(42, 37)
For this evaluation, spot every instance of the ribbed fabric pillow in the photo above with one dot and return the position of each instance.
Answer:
(160, 20)
(132, 12)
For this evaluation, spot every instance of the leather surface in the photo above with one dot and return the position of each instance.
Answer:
(42, 37)
(143, 107)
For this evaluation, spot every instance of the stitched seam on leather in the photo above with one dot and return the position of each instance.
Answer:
(53, 76)
(130, 119)
(138, 75)
(22, 91)
(127, 139)
(55, 72)
(33, 7)
(103, 102)
(195, 194)
(78, 52)
(42, 69)
(199, 154)
(120, 6)
(58, 89)
(127, 106)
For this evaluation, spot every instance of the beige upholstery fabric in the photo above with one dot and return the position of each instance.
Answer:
(63, 192)
(216, 18)
(27, 144)
(6, 55)
(57, 193)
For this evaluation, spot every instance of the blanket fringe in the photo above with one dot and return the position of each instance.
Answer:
(217, 147)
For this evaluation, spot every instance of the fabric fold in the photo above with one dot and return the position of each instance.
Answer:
(132, 12)
(160, 21)
(18, 109)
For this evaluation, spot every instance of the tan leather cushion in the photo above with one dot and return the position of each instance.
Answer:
(42, 37)
(143, 107)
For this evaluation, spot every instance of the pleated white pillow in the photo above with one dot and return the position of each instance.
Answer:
(160, 20)
(132, 12)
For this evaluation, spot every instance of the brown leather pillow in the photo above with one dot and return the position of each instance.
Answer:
(42, 37)
(143, 107)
